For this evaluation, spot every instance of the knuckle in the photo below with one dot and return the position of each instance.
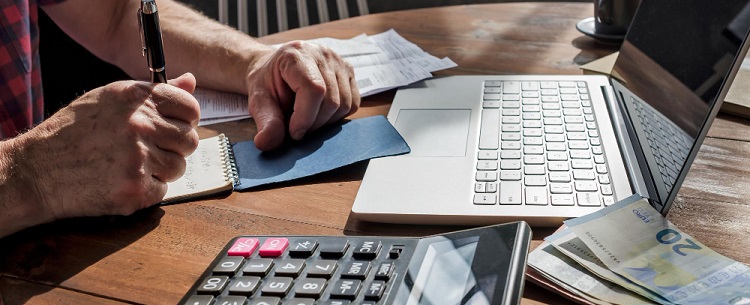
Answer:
(289, 56)
(317, 86)
(334, 102)
(296, 44)
(345, 108)
(132, 91)
(192, 140)
(173, 168)
(348, 68)
(328, 54)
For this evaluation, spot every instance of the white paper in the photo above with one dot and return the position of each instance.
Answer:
(387, 76)
(350, 47)
(217, 104)
(381, 62)
(205, 122)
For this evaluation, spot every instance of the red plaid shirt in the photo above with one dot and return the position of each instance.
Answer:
(21, 101)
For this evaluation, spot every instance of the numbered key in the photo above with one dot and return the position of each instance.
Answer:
(310, 287)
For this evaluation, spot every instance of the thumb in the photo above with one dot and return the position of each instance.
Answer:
(269, 120)
(185, 82)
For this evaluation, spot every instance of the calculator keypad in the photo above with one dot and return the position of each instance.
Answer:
(304, 270)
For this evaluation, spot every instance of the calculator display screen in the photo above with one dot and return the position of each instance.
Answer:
(457, 269)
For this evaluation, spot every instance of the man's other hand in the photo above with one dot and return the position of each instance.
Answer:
(304, 82)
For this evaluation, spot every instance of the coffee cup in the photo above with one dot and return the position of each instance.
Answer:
(613, 17)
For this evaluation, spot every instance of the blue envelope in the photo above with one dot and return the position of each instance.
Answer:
(328, 148)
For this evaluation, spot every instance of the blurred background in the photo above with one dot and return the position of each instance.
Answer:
(69, 70)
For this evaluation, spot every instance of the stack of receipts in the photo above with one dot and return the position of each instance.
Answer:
(629, 253)
(381, 62)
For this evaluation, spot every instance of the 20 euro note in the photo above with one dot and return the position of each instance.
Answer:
(569, 245)
(564, 272)
(638, 243)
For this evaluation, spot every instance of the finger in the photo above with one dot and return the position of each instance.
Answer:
(175, 103)
(268, 118)
(331, 101)
(305, 79)
(175, 136)
(185, 82)
(356, 98)
(345, 93)
(166, 166)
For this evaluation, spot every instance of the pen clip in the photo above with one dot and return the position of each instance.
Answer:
(141, 33)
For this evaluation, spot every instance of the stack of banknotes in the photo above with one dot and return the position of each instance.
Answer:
(628, 253)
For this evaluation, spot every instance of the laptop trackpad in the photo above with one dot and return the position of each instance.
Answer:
(435, 132)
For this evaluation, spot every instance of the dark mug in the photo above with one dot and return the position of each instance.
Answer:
(612, 17)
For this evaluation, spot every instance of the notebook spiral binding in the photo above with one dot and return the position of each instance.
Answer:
(230, 165)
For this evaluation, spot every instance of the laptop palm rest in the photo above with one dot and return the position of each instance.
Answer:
(435, 132)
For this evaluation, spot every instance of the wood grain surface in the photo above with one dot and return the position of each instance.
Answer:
(155, 255)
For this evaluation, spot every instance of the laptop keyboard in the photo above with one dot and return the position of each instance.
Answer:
(669, 144)
(539, 145)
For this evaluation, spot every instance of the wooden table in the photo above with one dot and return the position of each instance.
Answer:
(155, 255)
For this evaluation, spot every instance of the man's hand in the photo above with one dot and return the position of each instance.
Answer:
(111, 151)
(306, 83)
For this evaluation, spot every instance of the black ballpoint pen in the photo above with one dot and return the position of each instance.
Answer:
(153, 49)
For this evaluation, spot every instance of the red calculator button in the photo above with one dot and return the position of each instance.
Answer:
(273, 247)
(243, 247)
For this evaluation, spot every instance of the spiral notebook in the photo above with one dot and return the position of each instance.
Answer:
(210, 171)
(217, 166)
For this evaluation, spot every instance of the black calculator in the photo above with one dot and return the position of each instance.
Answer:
(477, 266)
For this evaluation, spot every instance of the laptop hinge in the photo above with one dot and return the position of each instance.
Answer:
(627, 144)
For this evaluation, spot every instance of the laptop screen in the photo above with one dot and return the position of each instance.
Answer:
(677, 64)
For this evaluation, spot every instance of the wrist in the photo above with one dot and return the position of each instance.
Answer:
(256, 61)
(21, 200)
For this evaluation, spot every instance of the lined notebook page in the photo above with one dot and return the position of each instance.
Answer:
(206, 172)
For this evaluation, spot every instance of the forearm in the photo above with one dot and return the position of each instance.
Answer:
(217, 55)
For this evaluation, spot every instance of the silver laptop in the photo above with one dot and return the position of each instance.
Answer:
(490, 149)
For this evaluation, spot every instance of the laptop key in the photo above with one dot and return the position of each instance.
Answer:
(511, 87)
(561, 188)
(588, 199)
(586, 186)
(489, 132)
(536, 180)
(510, 192)
(559, 177)
(510, 175)
(536, 195)
(483, 199)
(562, 199)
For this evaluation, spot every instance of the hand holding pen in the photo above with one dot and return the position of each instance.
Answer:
(153, 48)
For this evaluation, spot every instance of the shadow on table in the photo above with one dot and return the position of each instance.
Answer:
(592, 49)
(51, 254)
